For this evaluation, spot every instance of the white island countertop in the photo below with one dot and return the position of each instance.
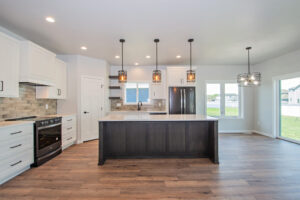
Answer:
(145, 117)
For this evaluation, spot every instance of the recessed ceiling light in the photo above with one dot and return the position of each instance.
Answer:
(147, 56)
(117, 57)
(50, 19)
(136, 63)
(178, 56)
(83, 48)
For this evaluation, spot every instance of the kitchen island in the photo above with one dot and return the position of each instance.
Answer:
(158, 136)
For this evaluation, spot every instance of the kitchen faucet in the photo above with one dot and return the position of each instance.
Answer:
(139, 105)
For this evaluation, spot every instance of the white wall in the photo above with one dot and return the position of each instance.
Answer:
(263, 101)
(222, 73)
(79, 66)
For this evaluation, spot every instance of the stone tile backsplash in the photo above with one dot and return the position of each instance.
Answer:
(156, 105)
(26, 104)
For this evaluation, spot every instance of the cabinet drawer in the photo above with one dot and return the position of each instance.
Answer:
(66, 129)
(69, 119)
(12, 148)
(16, 162)
(69, 134)
(12, 133)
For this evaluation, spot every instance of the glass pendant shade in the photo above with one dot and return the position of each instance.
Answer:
(156, 76)
(190, 75)
(122, 76)
(251, 78)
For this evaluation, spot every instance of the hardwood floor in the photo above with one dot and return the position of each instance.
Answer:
(251, 167)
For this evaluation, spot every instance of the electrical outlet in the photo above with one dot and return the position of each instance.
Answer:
(159, 104)
(46, 106)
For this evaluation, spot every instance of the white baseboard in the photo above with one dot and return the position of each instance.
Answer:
(264, 134)
(236, 131)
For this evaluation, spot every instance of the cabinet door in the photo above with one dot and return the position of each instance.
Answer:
(175, 76)
(176, 137)
(156, 142)
(42, 63)
(158, 91)
(9, 66)
(61, 82)
(59, 90)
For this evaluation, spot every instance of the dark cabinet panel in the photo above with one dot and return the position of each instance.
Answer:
(136, 138)
(176, 137)
(156, 142)
(198, 137)
(115, 138)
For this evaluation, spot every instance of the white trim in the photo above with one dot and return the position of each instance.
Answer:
(236, 131)
(264, 134)
(276, 104)
(288, 139)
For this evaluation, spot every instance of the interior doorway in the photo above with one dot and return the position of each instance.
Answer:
(92, 104)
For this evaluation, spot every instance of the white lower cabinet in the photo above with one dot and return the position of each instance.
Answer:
(16, 150)
(69, 134)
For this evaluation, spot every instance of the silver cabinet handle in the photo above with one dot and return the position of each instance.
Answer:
(16, 163)
(2, 86)
(14, 133)
(16, 146)
(184, 102)
(70, 138)
(181, 101)
(69, 120)
(69, 128)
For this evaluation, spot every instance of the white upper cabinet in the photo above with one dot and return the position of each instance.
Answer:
(9, 66)
(37, 64)
(59, 90)
(177, 76)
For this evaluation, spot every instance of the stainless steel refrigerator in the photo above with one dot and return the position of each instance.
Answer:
(182, 100)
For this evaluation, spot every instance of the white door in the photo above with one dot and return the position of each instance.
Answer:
(92, 99)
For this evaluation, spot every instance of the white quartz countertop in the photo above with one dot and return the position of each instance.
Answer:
(60, 115)
(144, 117)
(14, 123)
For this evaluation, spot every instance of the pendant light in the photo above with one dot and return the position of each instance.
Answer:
(190, 74)
(122, 74)
(249, 79)
(156, 76)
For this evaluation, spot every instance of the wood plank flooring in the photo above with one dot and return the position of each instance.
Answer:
(251, 167)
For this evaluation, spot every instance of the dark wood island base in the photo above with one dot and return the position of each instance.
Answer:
(158, 139)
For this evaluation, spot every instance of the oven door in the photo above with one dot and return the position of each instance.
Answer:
(48, 139)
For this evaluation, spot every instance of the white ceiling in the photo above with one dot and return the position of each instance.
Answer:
(221, 28)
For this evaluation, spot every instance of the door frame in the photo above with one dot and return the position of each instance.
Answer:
(81, 99)
(276, 105)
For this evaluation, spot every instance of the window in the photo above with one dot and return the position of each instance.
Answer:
(135, 92)
(231, 99)
(213, 97)
(223, 99)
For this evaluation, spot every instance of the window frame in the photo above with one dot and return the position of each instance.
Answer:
(137, 93)
(222, 99)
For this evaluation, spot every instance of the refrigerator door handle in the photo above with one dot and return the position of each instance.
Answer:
(181, 101)
(184, 102)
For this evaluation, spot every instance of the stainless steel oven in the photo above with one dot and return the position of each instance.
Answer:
(47, 139)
